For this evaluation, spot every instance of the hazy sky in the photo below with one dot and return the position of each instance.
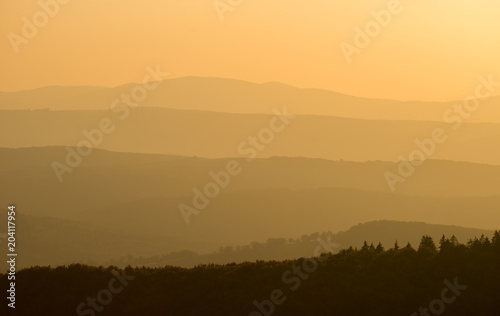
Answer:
(430, 50)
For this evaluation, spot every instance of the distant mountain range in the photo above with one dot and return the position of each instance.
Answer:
(235, 96)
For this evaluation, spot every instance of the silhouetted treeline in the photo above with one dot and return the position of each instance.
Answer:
(446, 276)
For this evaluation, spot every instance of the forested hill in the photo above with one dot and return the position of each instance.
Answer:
(448, 278)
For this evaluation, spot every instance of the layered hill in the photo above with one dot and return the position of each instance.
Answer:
(109, 178)
(387, 233)
(221, 135)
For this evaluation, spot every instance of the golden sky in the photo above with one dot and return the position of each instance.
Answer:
(431, 50)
